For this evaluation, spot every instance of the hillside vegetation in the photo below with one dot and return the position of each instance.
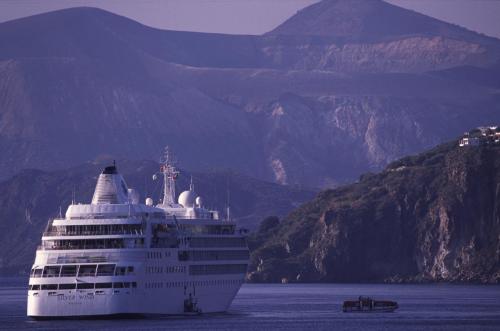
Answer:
(430, 217)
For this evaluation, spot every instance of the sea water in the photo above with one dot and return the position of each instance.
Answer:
(297, 307)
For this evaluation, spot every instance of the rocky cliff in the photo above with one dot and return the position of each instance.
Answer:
(315, 102)
(430, 217)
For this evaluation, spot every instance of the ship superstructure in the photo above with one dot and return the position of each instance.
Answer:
(117, 256)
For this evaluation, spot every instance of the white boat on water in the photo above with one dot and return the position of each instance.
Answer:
(116, 256)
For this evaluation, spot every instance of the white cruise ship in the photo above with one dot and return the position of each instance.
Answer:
(116, 256)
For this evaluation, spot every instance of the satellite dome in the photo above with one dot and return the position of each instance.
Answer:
(199, 201)
(187, 199)
(149, 202)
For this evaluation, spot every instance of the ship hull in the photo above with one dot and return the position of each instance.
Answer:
(88, 304)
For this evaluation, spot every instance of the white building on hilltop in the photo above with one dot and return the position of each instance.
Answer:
(469, 141)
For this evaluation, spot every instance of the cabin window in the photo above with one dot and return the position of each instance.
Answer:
(85, 286)
(217, 242)
(105, 270)
(118, 285)
(87, 270)
(120, 271)
(51, 271)
(217, 269)
(49, 286)
(35, 287)
(67, 286)
(102, 285)
(213, 255)
(38, 273)
(69, 270)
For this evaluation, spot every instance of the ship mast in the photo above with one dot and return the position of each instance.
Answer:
(170, 174)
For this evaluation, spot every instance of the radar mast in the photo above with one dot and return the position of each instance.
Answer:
(170, 174)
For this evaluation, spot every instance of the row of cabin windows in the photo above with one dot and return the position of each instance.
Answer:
(154, 270)
(169, 242)
(213, 269)
(217, 269)
(207, 229)
(81, 286)
(154, 285)
(197, 242)
(214, 282)
(163, 228)
(159, 215)
(116, 243)
(103, 229)
(83, 270)
(158, 255)
(213, 255)
(216, 242)
(167, 269)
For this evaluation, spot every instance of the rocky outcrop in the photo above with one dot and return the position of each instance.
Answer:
(316, 102)
(430, 217)
(374, 36)
(409, 54)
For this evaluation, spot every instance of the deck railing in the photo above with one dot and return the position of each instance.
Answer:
(93, 233)
(74, 246)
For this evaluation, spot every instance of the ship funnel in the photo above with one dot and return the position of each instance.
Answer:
(111, 188)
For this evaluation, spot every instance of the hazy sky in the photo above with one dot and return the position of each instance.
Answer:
(250, 16)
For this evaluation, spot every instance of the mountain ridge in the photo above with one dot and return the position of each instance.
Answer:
(175, 44)
(291, 109)
(358, 19)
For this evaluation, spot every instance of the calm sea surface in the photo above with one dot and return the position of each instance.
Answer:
(297, 307)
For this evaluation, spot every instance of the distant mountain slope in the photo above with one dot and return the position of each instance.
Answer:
(314, 110)
(30, 198)
(375, 36)
(334, 35)
(370, 20)
(429, 217)
(95, 34)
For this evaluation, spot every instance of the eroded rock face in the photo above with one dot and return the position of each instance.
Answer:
(333, 138)
(431, 217)
(341, 88)
(409, 54)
